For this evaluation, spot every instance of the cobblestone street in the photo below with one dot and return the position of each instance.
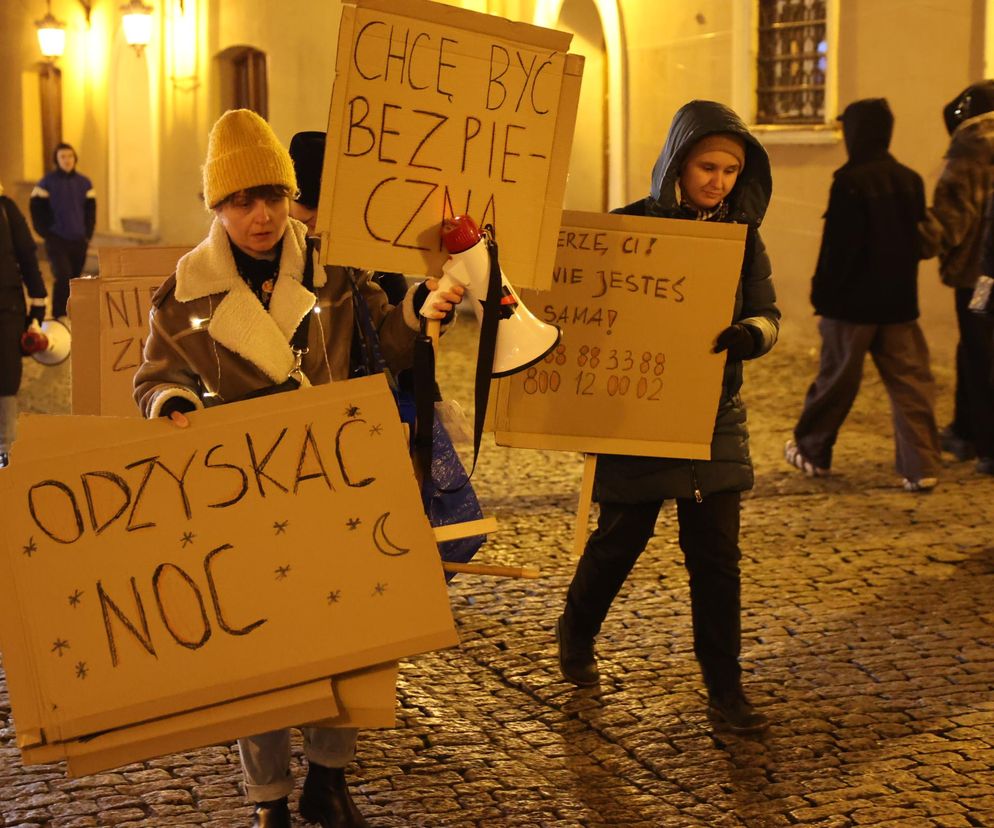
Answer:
(868, 632)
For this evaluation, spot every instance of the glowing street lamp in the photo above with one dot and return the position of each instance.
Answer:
(51, 35)
(137, 21)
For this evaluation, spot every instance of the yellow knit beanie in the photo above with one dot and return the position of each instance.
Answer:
(242, 152)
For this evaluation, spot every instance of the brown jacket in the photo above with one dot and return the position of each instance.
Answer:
(952, 228)
(211, 337)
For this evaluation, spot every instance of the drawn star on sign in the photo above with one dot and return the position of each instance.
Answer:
(282, 572)
(60, 645)
(75, 598)
(30, 547)
(280, 526)
(81, 669)
(352, 411)
(379, 589)
(334, 595)
(187, 538)
(353, 523)
(376, 430)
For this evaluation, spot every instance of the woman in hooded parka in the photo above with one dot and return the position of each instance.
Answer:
(710, 169)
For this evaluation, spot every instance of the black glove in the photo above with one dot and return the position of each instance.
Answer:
(737, 340)
(181, 404)
(36, 313)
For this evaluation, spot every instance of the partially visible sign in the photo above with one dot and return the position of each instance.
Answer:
(148, 571)
(110, 324)
(640, 302)
(438, 111)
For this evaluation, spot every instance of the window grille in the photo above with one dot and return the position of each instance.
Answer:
(792, 62)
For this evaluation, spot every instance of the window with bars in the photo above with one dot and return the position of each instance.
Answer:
(792, 62)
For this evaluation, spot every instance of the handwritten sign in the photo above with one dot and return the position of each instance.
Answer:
(640, 302)
(147, 570)
(110, 324)
(439, 111)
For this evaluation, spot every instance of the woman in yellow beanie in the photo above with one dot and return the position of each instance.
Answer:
(236, 321)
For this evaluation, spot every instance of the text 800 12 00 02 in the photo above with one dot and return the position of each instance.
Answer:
(615, 372)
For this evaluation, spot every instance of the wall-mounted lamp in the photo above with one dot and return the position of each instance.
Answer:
(137, 21)
(51, 35)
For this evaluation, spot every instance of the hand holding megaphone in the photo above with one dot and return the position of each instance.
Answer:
(47, 343)
(522, 339)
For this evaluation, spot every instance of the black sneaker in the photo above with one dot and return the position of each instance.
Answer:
(576, 656)
(985, 465)
(734, 711)
(959, 447)
(4, 459)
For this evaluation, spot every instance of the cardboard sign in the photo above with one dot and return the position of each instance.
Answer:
(149, 571)
(640, 302)
(439, 111)
(110, 323)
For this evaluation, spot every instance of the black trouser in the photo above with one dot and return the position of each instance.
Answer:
(973, 419)
(67, 259)
(709, 538)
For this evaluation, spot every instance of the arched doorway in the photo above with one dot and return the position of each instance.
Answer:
(597, 162)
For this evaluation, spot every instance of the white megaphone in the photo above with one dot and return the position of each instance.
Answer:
(522, 338)
(48, 343)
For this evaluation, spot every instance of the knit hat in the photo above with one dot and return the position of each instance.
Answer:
(728, 142)
(307, 152)
(242, 152)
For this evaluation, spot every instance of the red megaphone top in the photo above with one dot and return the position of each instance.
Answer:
(460, 233)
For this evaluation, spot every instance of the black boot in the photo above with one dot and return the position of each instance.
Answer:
(733, 710)
(326, 799)
(275, 814)
(576, 656)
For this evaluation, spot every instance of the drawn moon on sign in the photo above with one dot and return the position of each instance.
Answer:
(383, 544)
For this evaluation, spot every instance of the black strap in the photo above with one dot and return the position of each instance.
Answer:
(424, 383)
(299, 339)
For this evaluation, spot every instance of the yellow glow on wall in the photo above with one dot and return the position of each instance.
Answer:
(181, 33)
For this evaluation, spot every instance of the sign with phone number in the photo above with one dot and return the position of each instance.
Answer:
(640, 302)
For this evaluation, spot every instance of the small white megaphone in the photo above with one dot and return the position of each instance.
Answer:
(522, 338)
(48, 343)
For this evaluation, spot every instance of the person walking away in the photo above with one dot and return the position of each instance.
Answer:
(254, 254)
(64, 213)
(18, 269)
(710, 169)
(952, 230)
(865, 289)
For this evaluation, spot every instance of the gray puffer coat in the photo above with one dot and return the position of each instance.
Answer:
(626, 479)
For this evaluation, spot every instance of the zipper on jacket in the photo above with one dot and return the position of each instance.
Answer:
(697, 489)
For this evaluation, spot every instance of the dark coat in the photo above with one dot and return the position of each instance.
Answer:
(867, 268)
(627, 479)
(18, 269)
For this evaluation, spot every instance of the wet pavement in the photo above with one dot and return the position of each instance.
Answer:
(868, 637)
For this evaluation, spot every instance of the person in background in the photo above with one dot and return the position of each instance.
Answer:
(952, 229)
(865, 289)
(710, 169)
(64, 214)
(18, 269)
(254, 279)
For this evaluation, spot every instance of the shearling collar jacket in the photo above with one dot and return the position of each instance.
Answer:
(211, 338)
(952, 227)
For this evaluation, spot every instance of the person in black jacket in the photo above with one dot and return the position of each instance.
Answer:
(710, 169)
(865, 289)
(64, 214)
(18, 269)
